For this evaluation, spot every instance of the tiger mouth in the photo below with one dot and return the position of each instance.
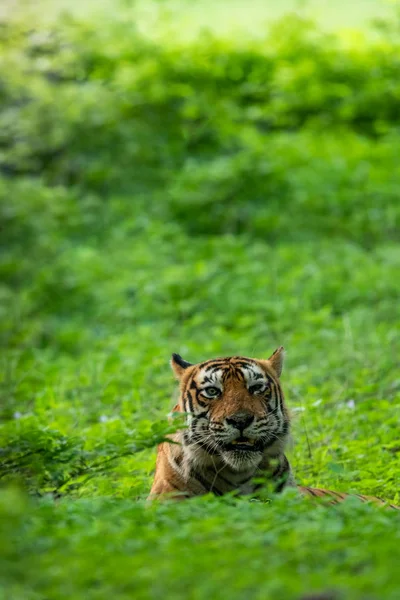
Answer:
(244, 444)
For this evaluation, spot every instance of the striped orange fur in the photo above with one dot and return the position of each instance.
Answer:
(238, 426)
(335, 497)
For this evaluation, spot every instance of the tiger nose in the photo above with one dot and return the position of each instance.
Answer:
(240, 420)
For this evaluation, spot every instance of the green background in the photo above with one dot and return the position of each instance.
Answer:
(170, 189)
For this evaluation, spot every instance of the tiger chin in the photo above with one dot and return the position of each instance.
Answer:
(237, 428)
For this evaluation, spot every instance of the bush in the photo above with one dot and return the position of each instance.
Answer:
(212, 198)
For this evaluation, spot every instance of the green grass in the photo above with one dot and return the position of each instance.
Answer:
(123, 549)
(208, 196)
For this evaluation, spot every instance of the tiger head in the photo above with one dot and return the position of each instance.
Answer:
(235, 408)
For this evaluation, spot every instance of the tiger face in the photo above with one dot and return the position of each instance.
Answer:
(235, 408)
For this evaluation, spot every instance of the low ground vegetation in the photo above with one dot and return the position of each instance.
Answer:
(212, 198)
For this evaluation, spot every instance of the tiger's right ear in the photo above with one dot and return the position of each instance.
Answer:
(179, 365)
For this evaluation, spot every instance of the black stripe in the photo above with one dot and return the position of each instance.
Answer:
(214, 369)
(208, 486)
(174, 486)
(278, 471)
(243, 481)
(257, 376)
(214, 364)
(246, 365)
(282, 467)
(281, 473)
(202, 403)
(188, 401)
(240, 375)
(337, 494)
(202, 415)
(235, 484)
(275, 392)
(226, 373)
(230, 483)
(312, 492)
(281, 485)
(285, 427)
(362, 498)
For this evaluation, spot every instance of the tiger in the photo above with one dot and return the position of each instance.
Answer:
(237, 427)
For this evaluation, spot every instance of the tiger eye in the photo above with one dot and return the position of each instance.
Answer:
(211, 391)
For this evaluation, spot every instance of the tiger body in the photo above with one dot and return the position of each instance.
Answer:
(237, 429)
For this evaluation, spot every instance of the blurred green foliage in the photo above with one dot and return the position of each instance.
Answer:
(85, 549)
(211, 197)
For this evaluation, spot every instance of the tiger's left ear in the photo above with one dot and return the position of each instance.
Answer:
(179, 365)
(276, 360)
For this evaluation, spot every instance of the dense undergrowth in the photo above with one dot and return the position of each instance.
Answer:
(215, 197)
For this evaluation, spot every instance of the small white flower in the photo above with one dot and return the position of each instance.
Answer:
(17, 415)
(351, 404)
(103, 419)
